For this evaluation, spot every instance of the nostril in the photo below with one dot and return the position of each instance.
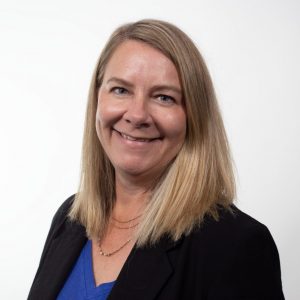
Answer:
(138, 122)
(145, 125)
(141, 125)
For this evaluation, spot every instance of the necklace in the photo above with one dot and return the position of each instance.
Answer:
(128, 220)
(129, 227)
(108, 254)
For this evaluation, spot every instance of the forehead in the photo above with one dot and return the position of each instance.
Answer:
(134, 58)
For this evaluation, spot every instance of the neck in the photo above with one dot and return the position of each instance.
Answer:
(131, 197)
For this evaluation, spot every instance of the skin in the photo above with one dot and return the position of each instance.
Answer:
(141, 124)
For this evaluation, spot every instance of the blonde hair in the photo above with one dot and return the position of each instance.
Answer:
(199, 179)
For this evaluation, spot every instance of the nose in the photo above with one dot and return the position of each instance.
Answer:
(137, 112)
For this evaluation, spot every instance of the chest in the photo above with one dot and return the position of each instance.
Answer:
(107, 268)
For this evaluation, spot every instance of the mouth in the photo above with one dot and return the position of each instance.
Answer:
(136, 139)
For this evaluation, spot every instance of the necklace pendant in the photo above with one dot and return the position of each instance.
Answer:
(108, 254)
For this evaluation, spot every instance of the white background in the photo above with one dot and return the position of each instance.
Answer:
(47, 55)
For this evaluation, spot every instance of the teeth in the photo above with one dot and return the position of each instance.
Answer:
(130, 138)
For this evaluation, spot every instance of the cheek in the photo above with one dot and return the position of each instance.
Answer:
(102, 127)
(175, 125)
(101, 114)
(102, 120)
(108, 112)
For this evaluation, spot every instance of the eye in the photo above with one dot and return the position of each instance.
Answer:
(119, 90)
(165, 98)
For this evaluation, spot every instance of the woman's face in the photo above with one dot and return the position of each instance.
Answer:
(141, 120)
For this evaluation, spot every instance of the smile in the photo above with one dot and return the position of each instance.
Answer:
(135, 139)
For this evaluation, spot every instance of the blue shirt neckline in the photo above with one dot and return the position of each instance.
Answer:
(91, 288)
(80, 284)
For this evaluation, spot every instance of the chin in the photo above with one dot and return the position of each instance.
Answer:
(136, 169)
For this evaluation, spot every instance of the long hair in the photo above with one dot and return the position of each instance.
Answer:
(200, 178)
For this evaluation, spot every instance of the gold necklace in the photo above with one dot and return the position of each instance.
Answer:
(129, 227)
(108, 254)
(126, 221)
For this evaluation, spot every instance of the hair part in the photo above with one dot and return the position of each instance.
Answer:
(199, 179)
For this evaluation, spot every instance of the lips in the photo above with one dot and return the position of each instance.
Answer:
(135, 139)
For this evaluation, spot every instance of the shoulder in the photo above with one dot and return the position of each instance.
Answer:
(63, 211)
(239, 253)
(234, 232)
(65, 240)
(59, 219)
(233, 224)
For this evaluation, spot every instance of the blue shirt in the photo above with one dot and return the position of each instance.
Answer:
(80, 285)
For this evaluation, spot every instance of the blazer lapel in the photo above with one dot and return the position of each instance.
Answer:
(144, 273)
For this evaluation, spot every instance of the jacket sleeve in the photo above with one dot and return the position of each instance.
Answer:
(253, 270)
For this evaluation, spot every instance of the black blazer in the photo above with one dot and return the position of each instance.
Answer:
(232, 259)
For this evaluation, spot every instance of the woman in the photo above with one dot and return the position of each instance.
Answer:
(153, 217)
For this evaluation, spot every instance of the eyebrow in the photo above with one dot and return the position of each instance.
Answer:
(120, 81)
(154, 88)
